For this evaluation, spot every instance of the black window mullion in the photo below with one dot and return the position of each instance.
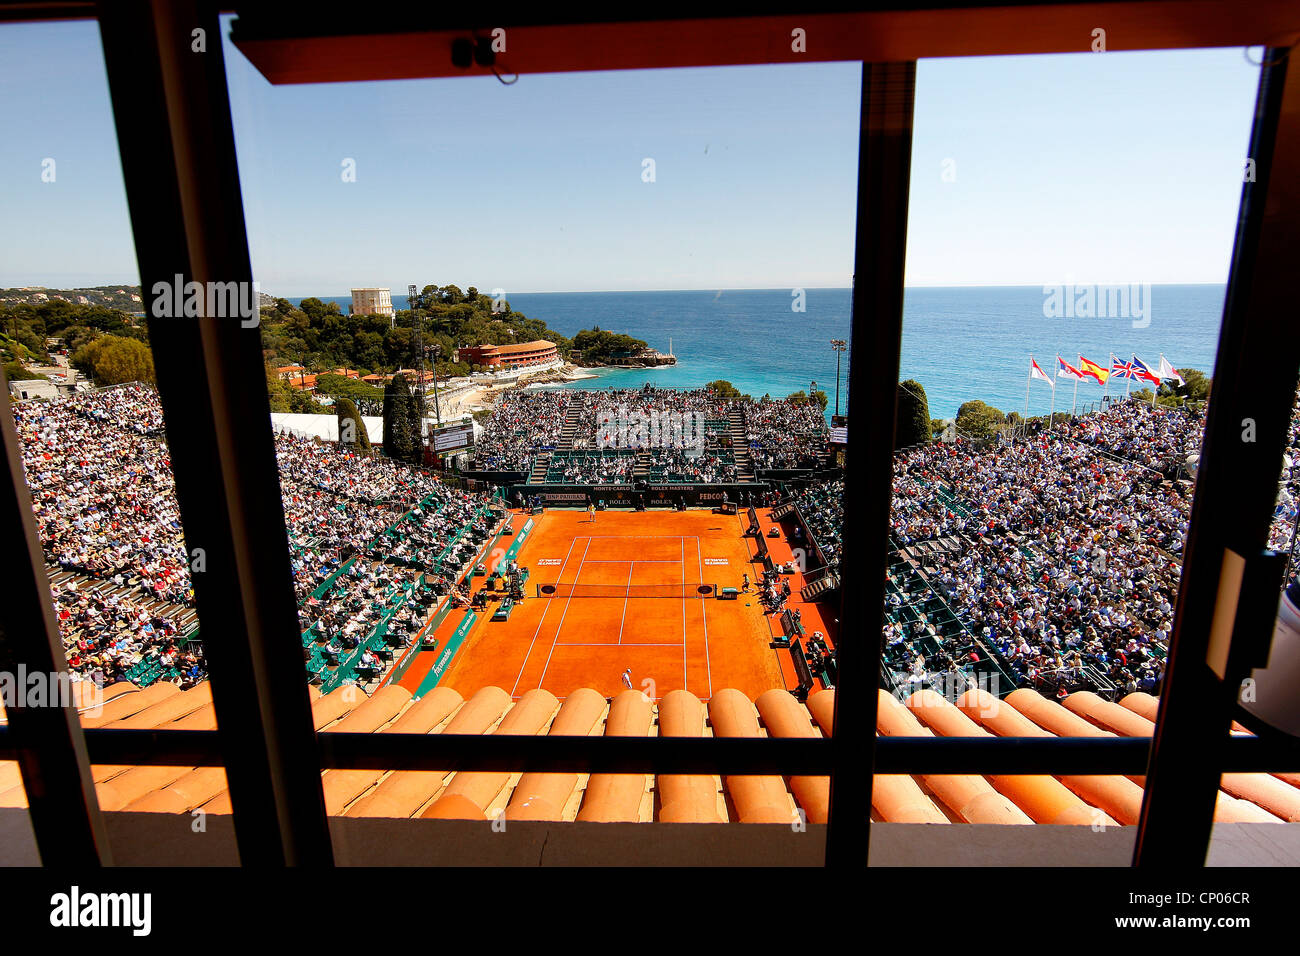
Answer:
(884, 171)
(50, 748)
(176, 140)
(1246, 426)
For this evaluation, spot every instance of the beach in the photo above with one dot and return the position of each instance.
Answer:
(465, 396)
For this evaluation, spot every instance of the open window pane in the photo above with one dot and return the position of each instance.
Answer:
(636, 530)
(1042, 491)
(81, 378)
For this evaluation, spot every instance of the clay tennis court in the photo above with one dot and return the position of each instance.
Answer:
(596, 617)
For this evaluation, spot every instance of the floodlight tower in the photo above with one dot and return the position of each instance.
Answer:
(839, 345)
(417, 343)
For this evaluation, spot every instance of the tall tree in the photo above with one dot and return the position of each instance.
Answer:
(352, 430)
(912, 426)
(415, 426)
(401, 421)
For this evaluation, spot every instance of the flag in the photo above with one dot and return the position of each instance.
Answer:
(1036, 372)
(1122, 369)
(1065, 370)
(1143, 371)
(1168, 371)
(1093, 370)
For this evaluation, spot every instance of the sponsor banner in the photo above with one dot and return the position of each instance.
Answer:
(518, 543)
(448, 652)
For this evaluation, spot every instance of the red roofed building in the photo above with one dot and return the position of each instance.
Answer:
(522, 355)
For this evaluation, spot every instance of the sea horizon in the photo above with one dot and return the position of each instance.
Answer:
(960, 342)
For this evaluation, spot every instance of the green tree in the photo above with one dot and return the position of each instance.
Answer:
(317, 310)
(1195, 387)
(721, 388)
(17, 372)
(597, 345)
(301, 402)
(912, 422)
(352, 430)
(278, 391)
(975, 419)
(401, 437)
(112, 360)
(801, 398)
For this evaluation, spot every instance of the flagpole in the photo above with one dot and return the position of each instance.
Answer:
(1074, 401)
(1051, 418)
(1128, 380)
(1024, 421)
(1109, 373)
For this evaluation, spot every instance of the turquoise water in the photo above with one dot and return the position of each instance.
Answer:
(959, 343)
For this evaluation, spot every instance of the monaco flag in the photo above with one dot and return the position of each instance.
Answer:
(1168, 371)
(1036, 372)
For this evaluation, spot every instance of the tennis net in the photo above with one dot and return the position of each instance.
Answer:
(687, 590)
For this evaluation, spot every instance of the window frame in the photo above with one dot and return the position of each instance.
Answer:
(187, 216)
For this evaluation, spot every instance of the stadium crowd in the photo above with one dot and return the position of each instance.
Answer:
(1281, 535)
(673, 464)
(822, 506)
(524, 422)
(785, 434)
(104, 501)
(1069, 557)
(682, 431)
(109, 638)
(590, 468)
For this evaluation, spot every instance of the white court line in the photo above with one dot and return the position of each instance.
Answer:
(704, 612)
(540, 622)
(606, 644)
(623, 619)
(638, 561)
(682, 541)
(559, 627)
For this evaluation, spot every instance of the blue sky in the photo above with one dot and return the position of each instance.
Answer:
(1082, 168)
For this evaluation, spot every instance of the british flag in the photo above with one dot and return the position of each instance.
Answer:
(1122, 369)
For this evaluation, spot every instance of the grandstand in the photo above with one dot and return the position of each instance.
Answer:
(993, 580)
(555, 445)
(369, 539)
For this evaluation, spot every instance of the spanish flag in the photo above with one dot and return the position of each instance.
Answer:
(1093, 370)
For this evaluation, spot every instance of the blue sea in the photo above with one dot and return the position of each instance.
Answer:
(959, 343)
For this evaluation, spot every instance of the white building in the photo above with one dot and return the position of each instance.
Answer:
(372, 301)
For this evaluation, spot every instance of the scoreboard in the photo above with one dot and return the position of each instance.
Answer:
(453, 437)
(839, 429)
